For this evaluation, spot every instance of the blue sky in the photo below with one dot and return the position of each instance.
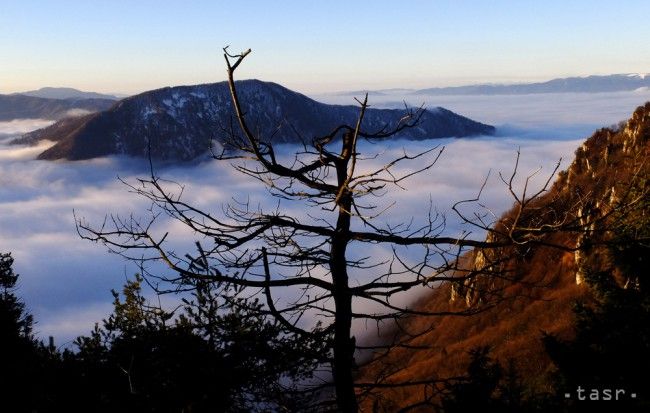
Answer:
(318, 46)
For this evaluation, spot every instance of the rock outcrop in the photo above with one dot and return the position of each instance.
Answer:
(602, 194)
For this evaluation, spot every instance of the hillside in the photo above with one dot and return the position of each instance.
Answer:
(594, 193)
(65, 93)
(181, 123)
(30, 107)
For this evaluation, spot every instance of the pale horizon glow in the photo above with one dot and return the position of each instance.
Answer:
(129, 47)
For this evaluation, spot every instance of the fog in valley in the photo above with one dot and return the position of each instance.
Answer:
(66, 281)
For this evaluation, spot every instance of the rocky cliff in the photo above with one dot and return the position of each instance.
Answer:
(604, 190)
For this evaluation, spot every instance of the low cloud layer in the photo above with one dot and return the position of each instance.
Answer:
(552, 115)
(66, 281)
(16, 127)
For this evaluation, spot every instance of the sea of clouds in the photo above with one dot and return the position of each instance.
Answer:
(66, 281)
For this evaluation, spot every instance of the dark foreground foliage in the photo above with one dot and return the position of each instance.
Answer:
(207, 356)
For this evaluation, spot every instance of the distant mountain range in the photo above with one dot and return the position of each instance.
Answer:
(19, 106)
(588, 84)
(180, 123)
(65, 93)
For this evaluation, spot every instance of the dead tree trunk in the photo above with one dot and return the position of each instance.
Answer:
(313, 255)
(343, 365)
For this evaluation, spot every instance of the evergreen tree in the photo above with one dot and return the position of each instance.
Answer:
(214, 356)
(476, 391)
(20, 382)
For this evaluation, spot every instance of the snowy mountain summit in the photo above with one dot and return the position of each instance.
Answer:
(181, 123)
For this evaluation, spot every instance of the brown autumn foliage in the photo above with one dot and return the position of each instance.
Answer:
(596, 185)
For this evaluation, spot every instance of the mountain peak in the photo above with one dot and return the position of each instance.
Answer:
(179, 123)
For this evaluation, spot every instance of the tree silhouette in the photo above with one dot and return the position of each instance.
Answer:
(14, 319)
(322, 259)
(477, 389)
(141, 359)
(19, 350)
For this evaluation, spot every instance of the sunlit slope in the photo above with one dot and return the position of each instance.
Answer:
(594, 193)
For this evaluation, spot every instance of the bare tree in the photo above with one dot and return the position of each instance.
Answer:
(317, 261)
